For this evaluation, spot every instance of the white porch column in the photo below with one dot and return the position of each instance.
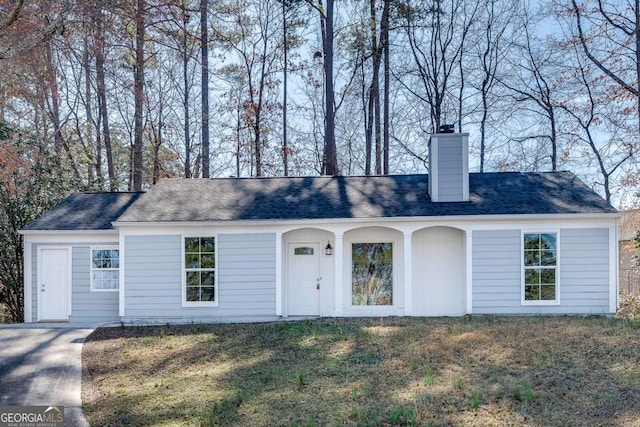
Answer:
(468, 244)
(338, 264)
(614, 278)
(279, 274)
(28, 266)
(408, 275)
(121, 274)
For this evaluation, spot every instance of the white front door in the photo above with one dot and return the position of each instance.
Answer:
(53, 286)
(303, 279)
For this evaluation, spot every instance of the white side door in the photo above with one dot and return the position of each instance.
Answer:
(53, 284)
(303, 279)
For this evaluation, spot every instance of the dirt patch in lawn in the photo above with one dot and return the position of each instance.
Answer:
(559, 371)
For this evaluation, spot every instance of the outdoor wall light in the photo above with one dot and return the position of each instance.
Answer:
(328, 250)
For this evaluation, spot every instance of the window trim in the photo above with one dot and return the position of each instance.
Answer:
(183, 270)
(308, 250)
(394, 266)
(92, 269)
(523, 301)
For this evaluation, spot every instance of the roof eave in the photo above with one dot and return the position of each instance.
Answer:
(111, 231)
(464, 218)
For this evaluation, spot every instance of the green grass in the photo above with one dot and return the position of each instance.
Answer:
(475, 398)
(555, 371)
(427, 379)
(523, 393)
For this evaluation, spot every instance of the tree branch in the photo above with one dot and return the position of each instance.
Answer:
(594, 60)
(13, 16)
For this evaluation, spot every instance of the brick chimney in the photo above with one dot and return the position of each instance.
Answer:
(449, 166)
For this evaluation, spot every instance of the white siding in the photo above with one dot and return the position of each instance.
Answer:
(450, 172)
(89, 306)
(583, 267)
(246, 277)
(496, 272)
(449, 167)
(584, 272)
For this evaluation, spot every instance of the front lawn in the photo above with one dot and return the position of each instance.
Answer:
(536, 371)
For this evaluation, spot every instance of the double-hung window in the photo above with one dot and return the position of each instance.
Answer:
(200, 271)
(105, 269)
(540, 268)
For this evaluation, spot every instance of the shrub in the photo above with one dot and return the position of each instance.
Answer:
(629, 307)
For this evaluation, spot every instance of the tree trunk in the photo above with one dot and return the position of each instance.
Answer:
(385, 125)
(376, 107)
(54, 109)
(368, 130)
(374, 91)
(138, 87)
(483, 132)
(102, 98)
(483, 121)
(238, 145)
(157, 146)
(91, 170)
(554, 140)
(637, 34)
(204, 45)
(285, 148)
(258, 118)
(374, 111)
(185, 100)
(330, 154)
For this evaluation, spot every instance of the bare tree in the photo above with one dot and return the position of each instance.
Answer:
(52, 101)
(138, 88)
(533, 88)
(436, 36)
(384, 30)
(11, 17)
(185, 48)
(491, 51)
(99, 52)
(585, 104)
(609, 33)
(204, 84)
(373, 123)
(43, 21)
(92, 170)
(330, 151)
(256, 47)
(285, 82)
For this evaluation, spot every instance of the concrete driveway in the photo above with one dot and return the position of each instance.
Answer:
(42, 365)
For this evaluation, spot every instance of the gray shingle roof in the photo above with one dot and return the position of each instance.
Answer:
(230, 199)
(85, 211)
